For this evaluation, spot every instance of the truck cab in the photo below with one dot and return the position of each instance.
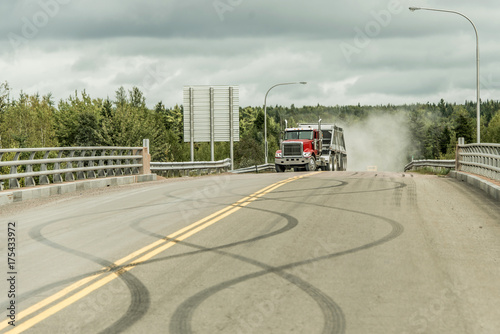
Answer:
(312, 146)
(299, 149)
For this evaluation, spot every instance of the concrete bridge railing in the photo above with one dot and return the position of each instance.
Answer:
(44, 166)
(479, 159)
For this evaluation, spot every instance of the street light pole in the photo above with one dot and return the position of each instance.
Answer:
(478, 98)
(265, 111)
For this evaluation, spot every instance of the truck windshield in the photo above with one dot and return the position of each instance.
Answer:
(299, 135)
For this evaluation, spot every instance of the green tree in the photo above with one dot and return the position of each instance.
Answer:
(79, 121)
(416, 126)
(493, 131)
(28, 122)
(432, 148)
(464, 125)
(87, 131)
(444, 139)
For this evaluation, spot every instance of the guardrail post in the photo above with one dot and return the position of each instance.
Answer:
(91, 173)
(14, 183)
(81, 175)
(69, 175)
(44, 179)
(146, 158)
(57, 166)
(128, 170)
(29, 181)
(102, 172)
(121, 171)
(110, 171)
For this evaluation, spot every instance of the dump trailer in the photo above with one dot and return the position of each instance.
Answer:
(312, 146)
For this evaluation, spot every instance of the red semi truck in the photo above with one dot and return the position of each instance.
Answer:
(312, 146)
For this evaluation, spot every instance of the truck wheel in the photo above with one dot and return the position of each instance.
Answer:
(279, 168)
(311, 166)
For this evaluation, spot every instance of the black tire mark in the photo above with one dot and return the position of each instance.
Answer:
(399, 185)
(35, 234)
(139, 294)
(181, 320)
(204, 200)
(282, 198)
(332, 313)
(333, 316)
(292, 222)
(124, 323)
(138, 307)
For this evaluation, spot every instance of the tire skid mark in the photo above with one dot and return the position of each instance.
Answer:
(139, 294)
(208, 201)
(119, 270)
(292, 223)
(397, 195)
(333, 315)
(396, 188)
(399, 185)
(334, 318)
(36, 235)
(181, 320)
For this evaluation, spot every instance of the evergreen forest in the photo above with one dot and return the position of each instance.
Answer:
(28, 121)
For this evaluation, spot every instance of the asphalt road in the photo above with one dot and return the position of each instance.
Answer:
(328, 252)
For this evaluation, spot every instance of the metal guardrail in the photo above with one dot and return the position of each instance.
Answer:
(62, 164)
(480, 159)
(168, 169)
(430, 163)
(254, 169)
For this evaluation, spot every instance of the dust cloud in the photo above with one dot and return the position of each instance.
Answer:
(380, 141)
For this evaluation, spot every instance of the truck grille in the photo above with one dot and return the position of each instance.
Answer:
(292, 149)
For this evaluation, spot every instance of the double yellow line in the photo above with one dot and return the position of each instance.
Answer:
(108, 274)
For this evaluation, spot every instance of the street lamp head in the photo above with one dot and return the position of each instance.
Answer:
(414, 8)
(303, 83)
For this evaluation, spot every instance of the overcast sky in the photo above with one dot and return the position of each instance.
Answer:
(349, 51)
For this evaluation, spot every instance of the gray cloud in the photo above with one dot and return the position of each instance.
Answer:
(373, 52)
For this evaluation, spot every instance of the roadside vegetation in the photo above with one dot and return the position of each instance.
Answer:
(124, 120)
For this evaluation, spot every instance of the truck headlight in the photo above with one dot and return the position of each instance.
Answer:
(307, 154)
(278, 155)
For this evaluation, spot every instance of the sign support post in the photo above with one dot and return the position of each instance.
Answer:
(212, 125)
(191, 121)
(231, 127)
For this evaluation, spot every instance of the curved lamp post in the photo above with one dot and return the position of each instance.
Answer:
(265, 111)
(478, 99)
